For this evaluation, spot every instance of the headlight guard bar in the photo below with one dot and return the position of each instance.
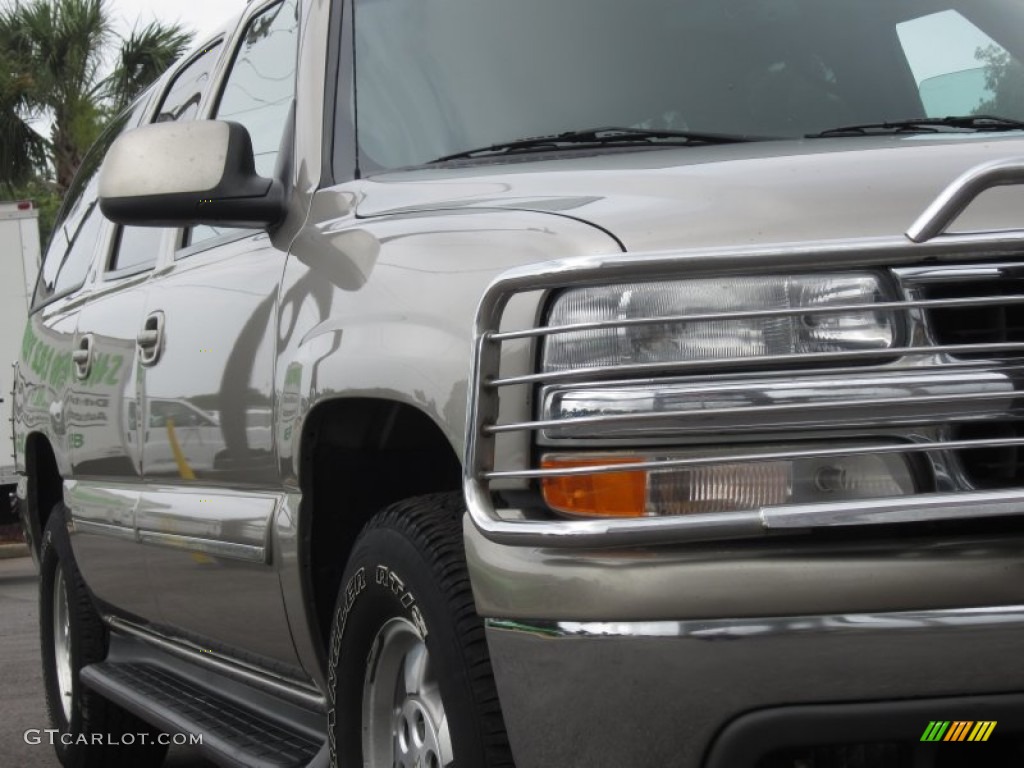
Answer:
(927, 242)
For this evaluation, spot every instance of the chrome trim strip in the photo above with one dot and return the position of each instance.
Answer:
(703, 461)
(964, 190)
(290, 690)
(708, 414)
(103, 529)
(248, 552)
(741, 525)
(881, 355)
(900, 509)
(980, 273)
(648, 531)
(947, 366)
(551, 330)
(737, 629)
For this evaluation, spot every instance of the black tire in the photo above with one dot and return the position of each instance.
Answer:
(409, 564)
(97, 733)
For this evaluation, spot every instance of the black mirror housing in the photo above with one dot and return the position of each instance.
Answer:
(183, 174)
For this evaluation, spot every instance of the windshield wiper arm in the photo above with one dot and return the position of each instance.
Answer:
(925, 125)
(597, 137)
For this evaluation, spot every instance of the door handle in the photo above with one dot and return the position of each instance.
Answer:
(151, 338)
(82, 357)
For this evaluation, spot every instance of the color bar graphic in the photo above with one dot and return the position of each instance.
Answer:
(958, 730)
(982, 730)
(935, 731)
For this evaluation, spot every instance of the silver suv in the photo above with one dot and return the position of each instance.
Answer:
(444, 382)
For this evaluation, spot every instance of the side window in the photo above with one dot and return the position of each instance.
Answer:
(136, 248)
(959, 69)
(259, 89)
(73, 243)
(181, 102)
(81, 251)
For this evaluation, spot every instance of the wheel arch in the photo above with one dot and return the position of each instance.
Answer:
(44, 489)
(357, 456)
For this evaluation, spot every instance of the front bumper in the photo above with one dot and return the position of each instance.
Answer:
(647, 656)
(719, 694)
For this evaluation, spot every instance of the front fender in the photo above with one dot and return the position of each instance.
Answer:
(384, 307)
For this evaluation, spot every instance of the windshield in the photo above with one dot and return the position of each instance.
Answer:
(439, 77)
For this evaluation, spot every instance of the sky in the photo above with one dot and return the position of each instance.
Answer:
(201, 16)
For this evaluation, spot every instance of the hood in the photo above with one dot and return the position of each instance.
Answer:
(731, 195)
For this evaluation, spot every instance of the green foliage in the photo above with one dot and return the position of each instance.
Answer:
(23, 152)
(56, 48)
(1004, 77)
(144, 55)
(52, 55)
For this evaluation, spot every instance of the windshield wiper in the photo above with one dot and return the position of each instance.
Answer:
(925, 125)
(597, 137)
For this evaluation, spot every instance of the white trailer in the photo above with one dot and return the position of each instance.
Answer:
(19, 265)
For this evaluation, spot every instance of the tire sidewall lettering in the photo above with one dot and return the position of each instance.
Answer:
(387, 581)
(355, 586)
(391, 581)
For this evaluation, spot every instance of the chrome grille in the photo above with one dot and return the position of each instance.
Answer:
(983, 306)
(995, 314)
(994, 466)
(946, 395)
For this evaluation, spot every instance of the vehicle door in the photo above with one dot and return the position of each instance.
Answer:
(104, 418)
(213, 484)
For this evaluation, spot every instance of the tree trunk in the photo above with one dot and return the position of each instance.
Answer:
(66, 159)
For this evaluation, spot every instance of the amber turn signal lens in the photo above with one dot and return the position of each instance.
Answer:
(610, 494)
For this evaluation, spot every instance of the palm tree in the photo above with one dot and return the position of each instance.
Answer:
(144, 55)
(23, 152)
(53, 67)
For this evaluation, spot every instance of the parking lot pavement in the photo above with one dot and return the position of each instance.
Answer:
(22, 705)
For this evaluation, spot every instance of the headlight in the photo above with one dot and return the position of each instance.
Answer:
(720, 487)
(734, 318)
(714, 319)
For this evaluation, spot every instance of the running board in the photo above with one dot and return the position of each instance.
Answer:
(241, 727)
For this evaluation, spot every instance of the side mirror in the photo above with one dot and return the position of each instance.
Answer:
(182, 174)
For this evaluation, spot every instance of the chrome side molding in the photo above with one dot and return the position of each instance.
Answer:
(233, 524)
(738, 629)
